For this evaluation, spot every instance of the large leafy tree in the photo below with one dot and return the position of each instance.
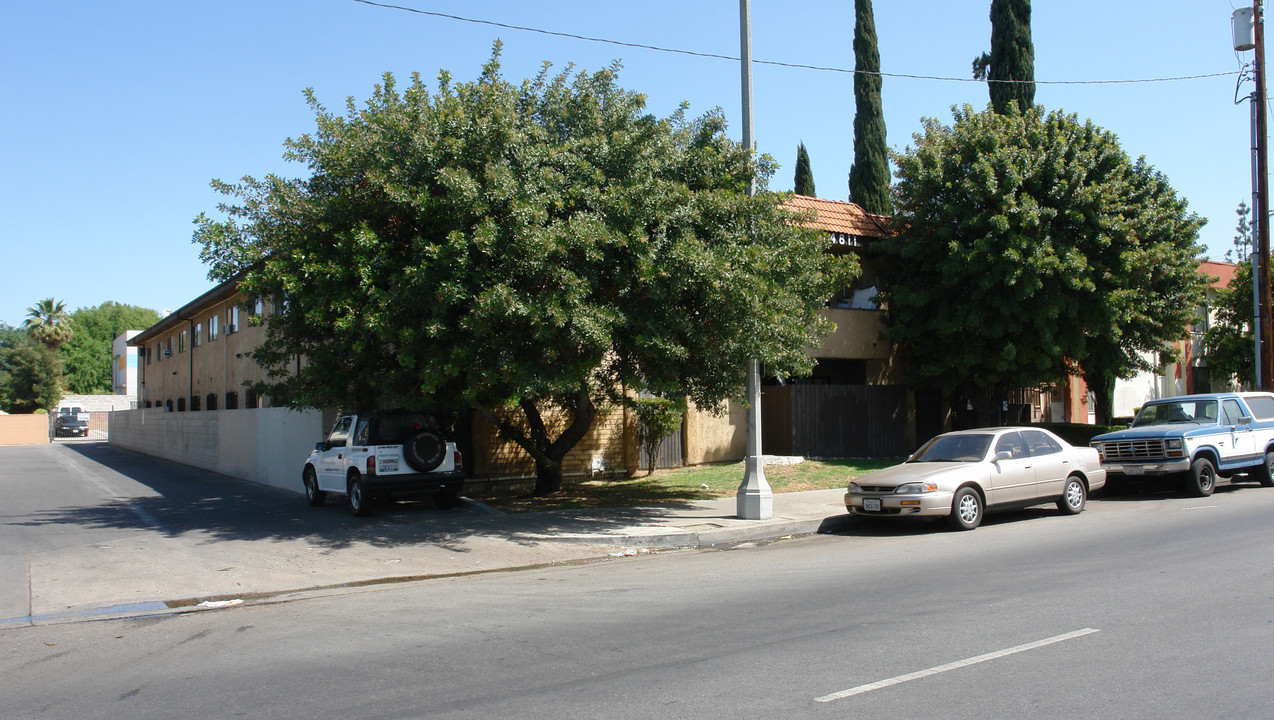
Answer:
(526, 250)
(30, 373)
(86, 356)
(1010, 68)
(1146, 274)
(804, 177)
(869, 175)
(48, 324)
(1031, 247)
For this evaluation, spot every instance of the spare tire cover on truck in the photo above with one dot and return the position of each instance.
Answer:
(425, 450)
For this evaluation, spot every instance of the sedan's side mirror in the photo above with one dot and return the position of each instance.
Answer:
(321, 446)
(1003, 455)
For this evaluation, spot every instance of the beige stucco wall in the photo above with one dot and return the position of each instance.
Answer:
(710, 438)
(860, 334)
(264, 445)
(24, 429)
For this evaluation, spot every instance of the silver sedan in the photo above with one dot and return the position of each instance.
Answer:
(961, 475)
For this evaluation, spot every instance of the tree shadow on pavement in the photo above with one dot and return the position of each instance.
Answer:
(178, 500)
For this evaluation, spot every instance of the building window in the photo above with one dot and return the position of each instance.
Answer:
(181, 404)
(181, 341)
(212, 401)
(169, 406)
(258, 307)
(233, 325)
(251, 401)
(232, 401)
(212, 328)
(194, 402)
(168, 351)
(198, 334)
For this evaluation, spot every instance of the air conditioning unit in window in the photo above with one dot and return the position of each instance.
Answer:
(230, 329)
(168, 353)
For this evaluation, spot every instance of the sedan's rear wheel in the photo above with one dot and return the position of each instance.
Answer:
(1074, 496)
(966, 509)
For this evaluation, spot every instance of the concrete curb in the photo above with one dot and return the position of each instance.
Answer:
(655, 537)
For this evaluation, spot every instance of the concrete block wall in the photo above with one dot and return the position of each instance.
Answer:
(263, 445)
(98, 403)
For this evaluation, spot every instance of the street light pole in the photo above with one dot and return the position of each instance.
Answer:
(754, 499)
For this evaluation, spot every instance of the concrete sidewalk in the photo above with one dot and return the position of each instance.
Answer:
(697, 524)
(166, 552)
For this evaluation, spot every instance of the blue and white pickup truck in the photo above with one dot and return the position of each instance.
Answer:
(1198, 437)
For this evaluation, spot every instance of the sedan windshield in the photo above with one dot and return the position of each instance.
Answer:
(1199, 412)
(954, 448)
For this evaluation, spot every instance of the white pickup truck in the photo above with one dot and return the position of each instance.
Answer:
(372, 456)
(1198, 437)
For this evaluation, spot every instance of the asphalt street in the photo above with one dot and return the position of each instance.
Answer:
(1149, 606)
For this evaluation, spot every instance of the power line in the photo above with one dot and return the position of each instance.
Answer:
(798, 66)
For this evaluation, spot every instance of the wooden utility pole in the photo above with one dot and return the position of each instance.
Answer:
(1265, 376)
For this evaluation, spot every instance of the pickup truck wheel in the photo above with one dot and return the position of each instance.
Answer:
(313, 495)
(359, 502)
(1074, 496)
(1201, 480)
(966, 509)
(1265, 473)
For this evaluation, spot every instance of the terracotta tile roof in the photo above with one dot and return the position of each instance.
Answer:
(1223, 271)
(847, 218)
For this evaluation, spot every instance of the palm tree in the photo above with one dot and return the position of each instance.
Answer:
(48, 323)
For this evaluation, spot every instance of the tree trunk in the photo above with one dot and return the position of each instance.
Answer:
(1102, 385)
(548, 453)
(551, 453)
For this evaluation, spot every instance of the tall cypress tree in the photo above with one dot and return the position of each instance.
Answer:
(1012, 57)
(869, 175)
(804, 176)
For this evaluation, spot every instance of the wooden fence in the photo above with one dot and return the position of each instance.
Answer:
(835, 421)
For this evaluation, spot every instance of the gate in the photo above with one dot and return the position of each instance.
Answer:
(835, 421)
(670, 453)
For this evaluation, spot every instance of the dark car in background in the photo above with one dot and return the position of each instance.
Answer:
(70, 426)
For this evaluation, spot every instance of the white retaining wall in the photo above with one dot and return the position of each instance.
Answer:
(263, 445)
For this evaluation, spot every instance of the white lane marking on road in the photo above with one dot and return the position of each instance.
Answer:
(953, 665)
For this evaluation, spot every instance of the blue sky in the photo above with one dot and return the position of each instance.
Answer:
(118, 114)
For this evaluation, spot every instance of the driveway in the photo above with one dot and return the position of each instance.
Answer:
(87, 527)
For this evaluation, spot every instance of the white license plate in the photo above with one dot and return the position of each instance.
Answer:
(1133, 470)
(388, 465)
(871, 504)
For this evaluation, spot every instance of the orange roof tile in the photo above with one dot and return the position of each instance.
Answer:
(1223, 271)
(837, 216)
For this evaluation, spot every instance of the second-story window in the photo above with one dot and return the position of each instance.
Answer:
(198, 334)
(234, 319)
(212, 327)
(181, 341)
